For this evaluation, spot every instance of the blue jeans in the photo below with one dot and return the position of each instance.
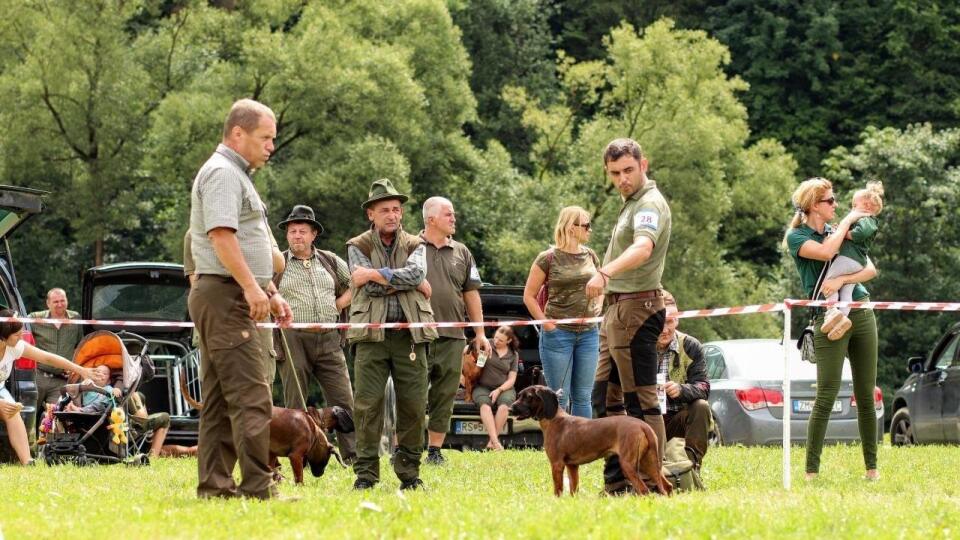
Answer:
(570, 364)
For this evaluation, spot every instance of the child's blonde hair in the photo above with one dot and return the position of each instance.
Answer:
(873, 193)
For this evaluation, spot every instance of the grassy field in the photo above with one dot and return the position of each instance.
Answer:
(502, 495)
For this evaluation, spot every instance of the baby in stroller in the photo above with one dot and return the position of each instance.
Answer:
(93, 402)
(88, 422)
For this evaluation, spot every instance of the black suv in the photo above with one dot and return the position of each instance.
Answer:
(151, 291)
(17, 204)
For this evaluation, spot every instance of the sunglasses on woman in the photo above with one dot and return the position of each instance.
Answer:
(586, 226)
(829, 200)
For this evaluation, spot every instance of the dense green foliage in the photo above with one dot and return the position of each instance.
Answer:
(503, 495)
(504, 107)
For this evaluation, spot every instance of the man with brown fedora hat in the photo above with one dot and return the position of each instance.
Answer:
(316, 284)
(388, 270)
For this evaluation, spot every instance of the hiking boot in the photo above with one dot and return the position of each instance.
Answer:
(414, 483)
(434, 457)
(830, 320)
(360, 484)
(840, 329)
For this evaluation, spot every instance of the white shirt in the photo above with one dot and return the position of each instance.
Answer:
(9, 355)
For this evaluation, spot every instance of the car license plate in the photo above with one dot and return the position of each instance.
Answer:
(467, 427)
(470, 428)
(806, 405)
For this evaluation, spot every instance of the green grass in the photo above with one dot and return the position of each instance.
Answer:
(502, 495)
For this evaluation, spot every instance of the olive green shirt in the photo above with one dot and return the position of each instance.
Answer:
(809, 269)
(857, 247)
(567, 277)
(62, 341)
(497, 368)
(645, 214)
(451, 271)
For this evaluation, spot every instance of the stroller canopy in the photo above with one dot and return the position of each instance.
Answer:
(104, 348)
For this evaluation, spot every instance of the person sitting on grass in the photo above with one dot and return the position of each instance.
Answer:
(494, 392)
(12, 348)
(158, 423)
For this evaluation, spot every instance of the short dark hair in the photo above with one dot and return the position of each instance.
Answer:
(9, 328)
(618, 148)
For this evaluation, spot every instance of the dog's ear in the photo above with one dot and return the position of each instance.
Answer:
(551, 404)
(344, 420)
(315, 417)
(319, 454)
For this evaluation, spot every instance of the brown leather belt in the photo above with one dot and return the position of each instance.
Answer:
(314, 330)
(613, 298)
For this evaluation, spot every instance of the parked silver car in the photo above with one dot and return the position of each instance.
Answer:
(746, 381)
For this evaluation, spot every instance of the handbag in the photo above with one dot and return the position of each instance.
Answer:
(805, 341)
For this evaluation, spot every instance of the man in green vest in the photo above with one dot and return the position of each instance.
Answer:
(687, 387)
(388, 283)
(57, 338)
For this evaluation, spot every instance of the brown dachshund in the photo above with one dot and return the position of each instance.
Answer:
(571, 441)
(298, 435)
(471, 373)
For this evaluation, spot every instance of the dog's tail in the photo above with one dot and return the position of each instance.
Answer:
(185, 390)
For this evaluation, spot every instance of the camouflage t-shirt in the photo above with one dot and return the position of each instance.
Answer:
(567, 277)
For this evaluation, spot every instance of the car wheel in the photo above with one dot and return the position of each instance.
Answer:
(901, 428)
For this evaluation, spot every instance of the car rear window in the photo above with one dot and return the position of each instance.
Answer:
(139, 301)
(763, 362)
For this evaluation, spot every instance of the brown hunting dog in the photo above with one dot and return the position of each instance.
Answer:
(298, 434)
(471, 373)
(571, 441)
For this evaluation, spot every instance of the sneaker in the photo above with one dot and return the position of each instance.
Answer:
(415, 483)
(830, 320)
(840, 329)
(435, 458)
(362, 484)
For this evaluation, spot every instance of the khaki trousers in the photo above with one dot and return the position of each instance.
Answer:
(235, 420)
(318, 355)
(373, 363)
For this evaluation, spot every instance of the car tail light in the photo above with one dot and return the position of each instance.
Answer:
(877, 398)
(26, 363)
(755, 398)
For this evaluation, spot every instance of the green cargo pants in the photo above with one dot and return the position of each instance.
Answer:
(373, 363)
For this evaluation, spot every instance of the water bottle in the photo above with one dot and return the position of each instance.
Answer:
(481, 359)
(662, 392)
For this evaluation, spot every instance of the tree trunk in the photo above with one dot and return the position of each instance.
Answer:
(98, 252)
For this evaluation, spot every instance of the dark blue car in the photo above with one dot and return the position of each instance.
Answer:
(926, 409)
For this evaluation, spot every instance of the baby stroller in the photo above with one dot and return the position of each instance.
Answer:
(105, 437)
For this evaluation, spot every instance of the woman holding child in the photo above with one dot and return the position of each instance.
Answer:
(812, 241)
(12, 348)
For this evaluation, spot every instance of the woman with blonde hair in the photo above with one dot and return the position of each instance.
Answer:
(568, 352)
(812, 241)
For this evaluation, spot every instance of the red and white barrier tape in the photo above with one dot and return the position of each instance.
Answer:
(900, 306)
(691, 314)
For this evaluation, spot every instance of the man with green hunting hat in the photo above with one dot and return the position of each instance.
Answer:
(388, 273)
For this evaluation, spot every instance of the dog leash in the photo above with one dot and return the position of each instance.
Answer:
(293, 367)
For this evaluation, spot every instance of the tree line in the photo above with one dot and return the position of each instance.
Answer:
(503, 106)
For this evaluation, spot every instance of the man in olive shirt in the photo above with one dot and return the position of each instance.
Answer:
(60, 339)
(231, 248)
(630, 278)
(454, 283)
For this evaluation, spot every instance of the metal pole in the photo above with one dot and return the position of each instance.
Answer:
(787, 404)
